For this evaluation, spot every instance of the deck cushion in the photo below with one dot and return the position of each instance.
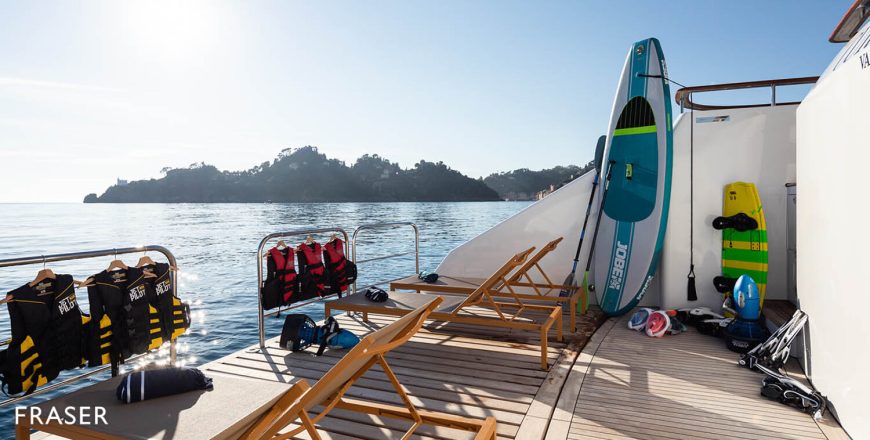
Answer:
(192, 415)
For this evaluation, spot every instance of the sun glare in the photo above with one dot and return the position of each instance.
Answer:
(172, 28)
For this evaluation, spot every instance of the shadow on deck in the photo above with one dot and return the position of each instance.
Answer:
(626, 385)
(460, 369)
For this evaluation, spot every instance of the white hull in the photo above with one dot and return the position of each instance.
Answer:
(833, 150)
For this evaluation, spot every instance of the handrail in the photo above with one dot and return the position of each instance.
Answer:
(683, 97)
(261, 321)
(851, 22)
(388, 225)
(43, 259)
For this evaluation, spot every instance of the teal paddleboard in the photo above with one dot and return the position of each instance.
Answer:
(639, 151)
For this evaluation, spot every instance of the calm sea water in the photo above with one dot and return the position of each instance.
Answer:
(215, 246)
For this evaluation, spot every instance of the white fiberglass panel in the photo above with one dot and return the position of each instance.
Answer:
(560, 214)
(754, 145)
(833, 150)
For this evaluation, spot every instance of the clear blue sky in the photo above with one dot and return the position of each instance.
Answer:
(91, 91)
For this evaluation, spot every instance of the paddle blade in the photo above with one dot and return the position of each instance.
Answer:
(569, 281)
(599, 153)
(693, 294)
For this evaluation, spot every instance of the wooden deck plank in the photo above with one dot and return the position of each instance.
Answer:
(457, 378)
(439, 432)
(444, 368)
(424, 402)
(564, 410)
(421, 384)
(494, 337)
(683, 386)
(619, 385)
(698, 419)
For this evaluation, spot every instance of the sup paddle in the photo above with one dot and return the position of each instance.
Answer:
(597, 222)
(569, 286)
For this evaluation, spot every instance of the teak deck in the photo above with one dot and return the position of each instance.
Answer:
(626, 385)
(453, 368)
(620, 385)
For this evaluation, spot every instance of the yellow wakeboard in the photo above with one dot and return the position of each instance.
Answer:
(745, 253)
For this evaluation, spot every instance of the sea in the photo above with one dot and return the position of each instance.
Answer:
(215, 246)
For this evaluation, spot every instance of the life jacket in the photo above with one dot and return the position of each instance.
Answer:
(340, 271)
(174, 315)
(312, 276)
(281, 284)
(120, 303)
(47, 334)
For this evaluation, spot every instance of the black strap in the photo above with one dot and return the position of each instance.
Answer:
(329, 328)
(691, 294)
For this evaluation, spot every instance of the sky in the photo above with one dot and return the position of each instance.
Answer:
(92, 91)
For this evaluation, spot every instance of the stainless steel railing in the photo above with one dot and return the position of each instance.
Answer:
(684, 95)
(44, 259)
(416, 253)
(261, 314)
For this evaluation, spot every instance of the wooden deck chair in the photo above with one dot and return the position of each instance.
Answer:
(244, 407)
(456, 308)
(516, 280)
(329, 391)
(543, 291)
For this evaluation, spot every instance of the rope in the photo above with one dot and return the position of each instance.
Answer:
(692, 191)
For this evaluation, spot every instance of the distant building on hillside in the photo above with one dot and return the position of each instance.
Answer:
(518, 195)
(121, 182)
(545, 192)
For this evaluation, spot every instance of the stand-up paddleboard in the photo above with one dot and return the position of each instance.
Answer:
(640, 151)
(744, 237)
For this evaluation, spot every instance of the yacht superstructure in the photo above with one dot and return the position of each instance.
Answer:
(604, 381)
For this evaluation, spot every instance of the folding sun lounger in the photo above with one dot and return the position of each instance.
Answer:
(456, 308)
(545, 291)
(257, 409)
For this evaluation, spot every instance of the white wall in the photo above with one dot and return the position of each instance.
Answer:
(833, 153)
(560, 214)
(754, 145)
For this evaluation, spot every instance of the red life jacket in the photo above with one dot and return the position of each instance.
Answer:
(342, 272)
(312, 279)
(285, 270)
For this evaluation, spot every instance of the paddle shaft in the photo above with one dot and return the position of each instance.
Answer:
(599, 155)
(600, 211)
(585, 222)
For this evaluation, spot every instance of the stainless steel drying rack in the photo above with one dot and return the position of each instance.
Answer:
(261, 256)
(374, 226)
(53, 258)
(350, 247)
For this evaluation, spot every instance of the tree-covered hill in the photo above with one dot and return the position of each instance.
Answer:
(304, 175)
(524, 184)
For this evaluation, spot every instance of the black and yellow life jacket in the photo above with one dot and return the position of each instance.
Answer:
(128, 324)
(174, 315)
(47, 335)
